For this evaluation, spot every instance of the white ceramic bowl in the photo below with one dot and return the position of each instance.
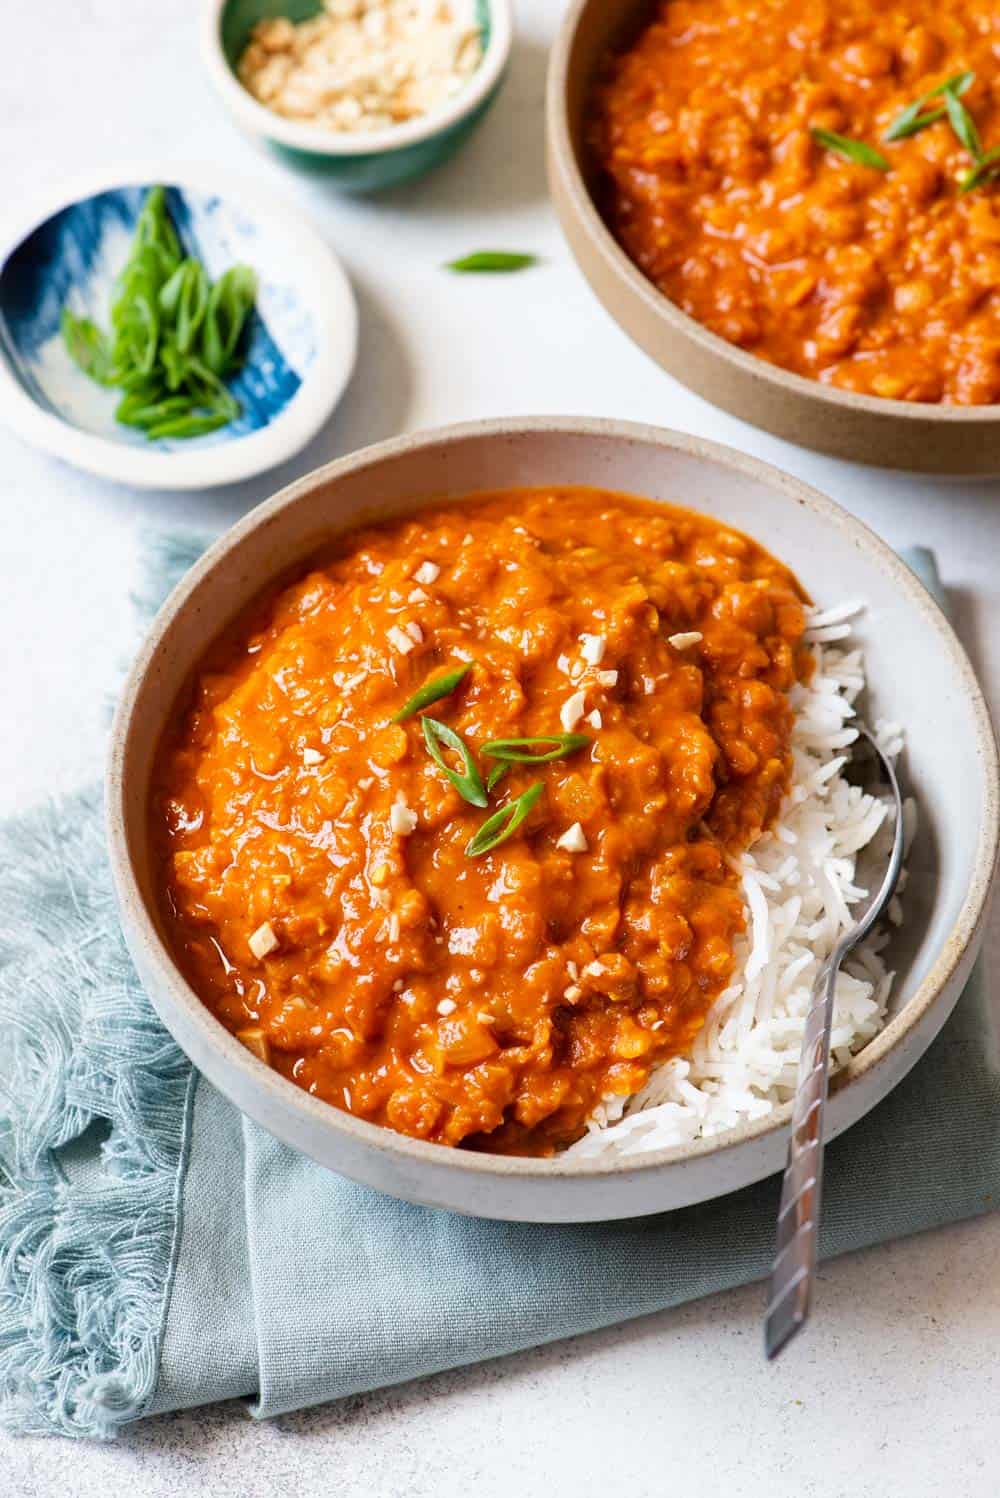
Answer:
(69, 248)
(918, 675)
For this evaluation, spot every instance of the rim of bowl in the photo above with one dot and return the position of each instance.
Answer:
(260, 120)
(335, 314)
(657, 304)
(323, 1115)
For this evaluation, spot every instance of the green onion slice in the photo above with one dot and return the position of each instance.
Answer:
(497, 773)
(503, 823)
(963, 125)
(526, 751)
(911, 120)
(154, 229)
(229, 305)
(985, 170)
(432, 691)
(189, 426)
(492, 260)
(469, 782)
(854, 150)
(139, 411)
(88, 347)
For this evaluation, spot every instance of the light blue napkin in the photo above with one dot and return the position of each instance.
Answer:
(158, 1251)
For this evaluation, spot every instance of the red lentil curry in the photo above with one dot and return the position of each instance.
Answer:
(328, 885)
(801, 177)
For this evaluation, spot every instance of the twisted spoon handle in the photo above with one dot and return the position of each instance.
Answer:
(794, 1266)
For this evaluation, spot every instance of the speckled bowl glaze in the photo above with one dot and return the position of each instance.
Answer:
(918, 675)
(938, 439)
(299, 348)
(361, 162)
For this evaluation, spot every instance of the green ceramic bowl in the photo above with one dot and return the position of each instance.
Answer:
(376, 159)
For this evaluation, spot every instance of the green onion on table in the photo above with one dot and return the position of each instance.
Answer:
(492, 262)
(174, 335)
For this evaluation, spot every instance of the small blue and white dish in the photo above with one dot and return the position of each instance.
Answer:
(300, 345)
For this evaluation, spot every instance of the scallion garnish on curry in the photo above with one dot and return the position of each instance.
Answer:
(468, 959)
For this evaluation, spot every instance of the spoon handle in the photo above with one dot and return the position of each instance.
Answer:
(794, 1267)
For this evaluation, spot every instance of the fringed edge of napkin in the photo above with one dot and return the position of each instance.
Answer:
(87, 1242)
(85, 1249)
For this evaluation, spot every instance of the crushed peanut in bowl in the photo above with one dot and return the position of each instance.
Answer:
(364, 65)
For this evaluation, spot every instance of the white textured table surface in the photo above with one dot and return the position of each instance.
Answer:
(896, 1389)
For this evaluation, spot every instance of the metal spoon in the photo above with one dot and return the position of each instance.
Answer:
(793, 1270)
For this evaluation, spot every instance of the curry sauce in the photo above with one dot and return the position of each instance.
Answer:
(319, 881)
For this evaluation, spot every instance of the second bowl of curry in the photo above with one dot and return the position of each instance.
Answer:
(796, 213)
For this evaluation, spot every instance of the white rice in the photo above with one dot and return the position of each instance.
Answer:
(798, 888)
